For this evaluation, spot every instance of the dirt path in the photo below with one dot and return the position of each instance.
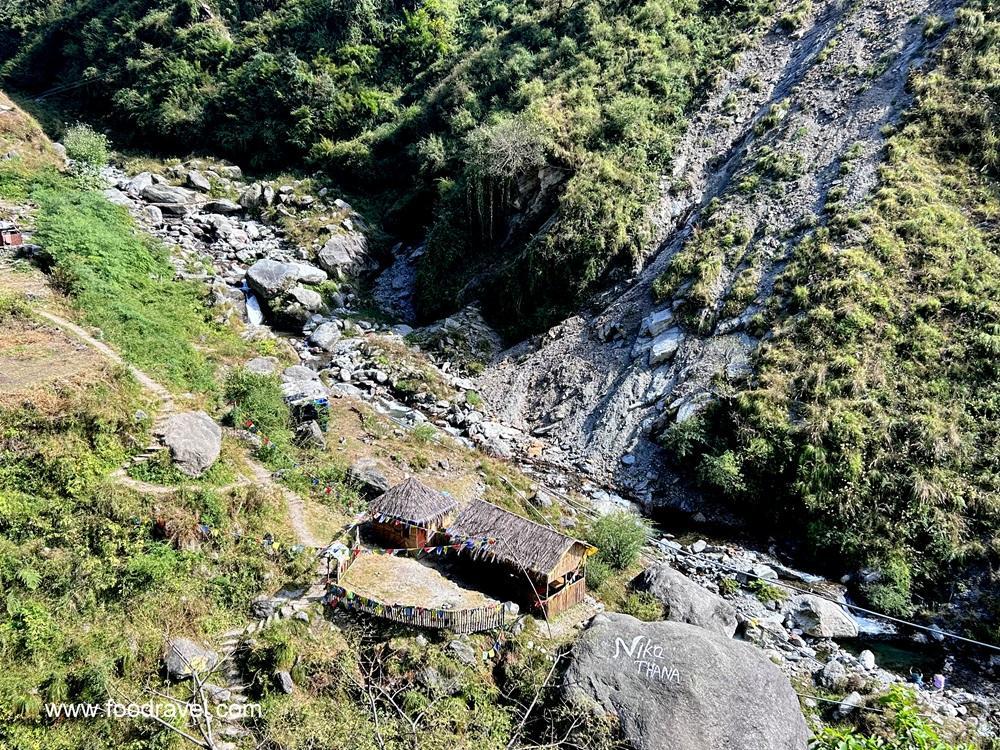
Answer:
(261, 476)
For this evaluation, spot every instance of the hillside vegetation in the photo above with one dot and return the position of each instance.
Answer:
(873, 412)
(527, 136)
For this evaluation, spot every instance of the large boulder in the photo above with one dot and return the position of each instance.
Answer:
(325, 336)
(674, 686)
(194, 440)
(183, 657)
(346, 254)
(167, 194)
(270, 278)
(367, 473)
(684, 600)
(821, 618)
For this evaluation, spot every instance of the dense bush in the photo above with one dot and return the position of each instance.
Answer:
(86, 146)
(446, 110)
(619, 537)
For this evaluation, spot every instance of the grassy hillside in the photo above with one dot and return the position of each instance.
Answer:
(527, 136)
(873, 414)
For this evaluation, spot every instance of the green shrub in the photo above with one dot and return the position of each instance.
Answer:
(643, 606)
(87, 146)
(619, 537)
(767, 592)
(257, 398)
(598, 573)
(902, 727)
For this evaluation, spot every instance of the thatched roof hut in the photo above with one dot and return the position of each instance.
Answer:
(519, 542)
(413, 503)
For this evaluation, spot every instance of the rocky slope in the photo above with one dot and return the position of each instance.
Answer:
(765, 153)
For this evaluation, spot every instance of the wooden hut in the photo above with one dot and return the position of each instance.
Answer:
(547, 566)
(410, 514)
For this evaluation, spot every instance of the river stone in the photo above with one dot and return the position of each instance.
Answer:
(674, 686)
(137, 184)
(298, 372)
(326, 336)
(198, 181)
(194, 440)
(684, 600)
(167, 194)
(309, 274)
(833, 676)
(820, 618)
(223, 206)
(269, 278)
(345, 253)
(182, 657)
(153, 215)
(665, 346)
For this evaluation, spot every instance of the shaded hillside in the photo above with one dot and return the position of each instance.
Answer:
(528, 137)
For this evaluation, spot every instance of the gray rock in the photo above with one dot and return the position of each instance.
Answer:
(194, 440)
(764, 571)
(345, 254)
(230, 171)
(137, 184)
(867, 659)
(167, 194)
(309, 274)
(367, 473)
(298, 372)
(285, 682)
(116, 196)
(263, 365)
(820, 618)
(270, 278)
(217, 693)
(198, 181)
(222, 206)
(153, 215)
(850, 704)
(462, 651)
(665, 346)
(182, 657)
(257, 196)
(656, 323)
(684, 600)
(311, 434)
(326, 336)
(675, 686)
(262, 607)
(302, 302)
(833, 676)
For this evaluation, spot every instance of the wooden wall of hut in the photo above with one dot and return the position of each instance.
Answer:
(400, 536)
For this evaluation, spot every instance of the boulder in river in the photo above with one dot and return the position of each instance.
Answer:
(674, 686)
(345, 254)
(194, 440)
(821, 618)
(269, 278)
(167, 194)
(684, 600)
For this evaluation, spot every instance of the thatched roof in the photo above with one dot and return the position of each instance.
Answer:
(518, 541)
(413, 502)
